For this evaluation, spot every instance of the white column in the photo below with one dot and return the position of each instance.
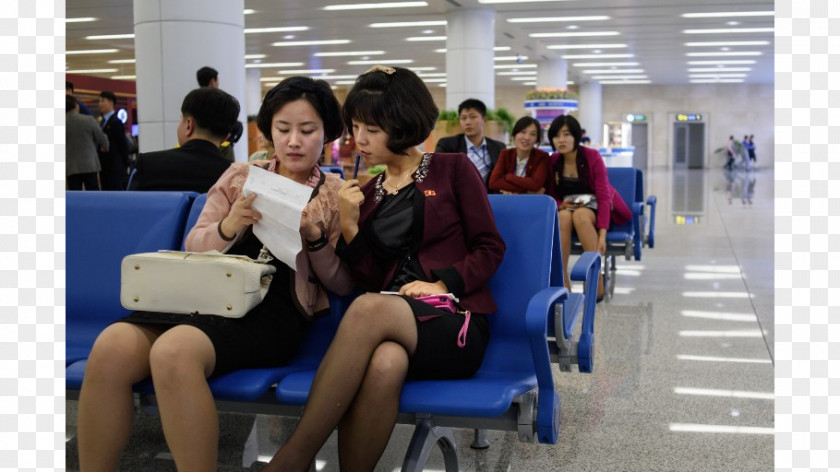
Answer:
(469, 57)
(589, 111)
(172, 41)
(253, 90)
(552, 74)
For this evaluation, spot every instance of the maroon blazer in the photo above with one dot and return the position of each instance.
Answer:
(458, 240)
(591, 167)
(504, 175)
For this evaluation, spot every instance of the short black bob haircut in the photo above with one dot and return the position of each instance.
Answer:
(213, 110)
(558, 123)
(318, 93)
(525, 122)
(205, 75)
(473, 104)
(395, 100)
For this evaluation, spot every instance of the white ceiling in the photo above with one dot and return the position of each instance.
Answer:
(652, 31)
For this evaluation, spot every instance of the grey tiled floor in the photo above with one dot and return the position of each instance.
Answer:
(667, 356)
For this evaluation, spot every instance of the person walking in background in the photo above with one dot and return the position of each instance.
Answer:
(197, 163)
(580, 170)
(751, 150)
(730, 153)
(524, 168)
(84, 139)
(481, 150)
(180, 352)
(745, 152)
(114, 161)
(422, 227)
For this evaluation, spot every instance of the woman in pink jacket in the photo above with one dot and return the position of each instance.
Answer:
(179, 352)
(577, 169)
(523, 168)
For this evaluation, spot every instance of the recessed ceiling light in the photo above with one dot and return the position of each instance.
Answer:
(728, 30)
(248, 11)
(724, 49)
(619, 77)
(604, 64)
(428, 31)
(501, 48)
(572, 27)
(708, 76)
(720, 69)
(716, 81)
(709, 63)
(80, 20)
(557, 19)
(273, 64)
(517, 72)
(733, 23)
(574, 34)
(377, 6)
(122, 61)
(400, 24)
(425, 69)
(510, 58)
(614, 71)
(426, 38)
(586, 46)
(124, 77)
(90, 71)
(514, 66)
(727, 43)
(727, 14)
(311, 43)
(348, 53)
(289, 36)
(597, 56)
(624, 82)
(717, 53)
(254, 56)
(278, 29)
(92, 51)
(380, 61)
(110, 36)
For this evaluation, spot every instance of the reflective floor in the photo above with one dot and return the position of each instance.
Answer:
(683, 377)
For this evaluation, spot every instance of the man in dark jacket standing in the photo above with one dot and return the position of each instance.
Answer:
(207, 115)
(114, 161)
(482, 151)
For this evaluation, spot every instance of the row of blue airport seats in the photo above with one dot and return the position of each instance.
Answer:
(514, 389)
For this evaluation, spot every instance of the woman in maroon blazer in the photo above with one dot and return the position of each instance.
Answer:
(422, 227)
(577, 169)
(524, 168)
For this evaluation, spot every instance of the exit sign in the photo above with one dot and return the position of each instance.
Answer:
(689, 117)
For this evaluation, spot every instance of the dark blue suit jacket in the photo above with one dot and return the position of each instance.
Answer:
(195, 166)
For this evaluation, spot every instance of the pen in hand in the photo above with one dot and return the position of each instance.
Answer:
(356, 167)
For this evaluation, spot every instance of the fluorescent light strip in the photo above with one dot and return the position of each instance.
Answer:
(492, 2)
(728, 30)
(510, 58)
(714, 428)
(748, 333)
(501, 48)
(720, 69)
(377, 6)
(718, 269)
(416, 69)
(526, 77)
(712, 315)
(622, 77)
(719, 76)
(532, 84)
(277, 29)
(724, 393)
(722, 53)
(705, 276)
(586, 46)
(727, 14)
(622, 82)
(348, 53)
(518, 72)
(558, 19)
(605, 64)
(566, 34)
(514, 66)
(93, 51)
(111, 36)
(84, 19)
(741, 360)
(380, 61)
(248, 11)
(311, 43)
(597, 56)
(90, 71)
(435, 80)
(716, 81)
(426, 38)
(727, 43)
(431, 74)
(614, 71)
(400, 24)
(124, 77)
(254, 56)
(122, 61)
(723, 62)
(273, 64)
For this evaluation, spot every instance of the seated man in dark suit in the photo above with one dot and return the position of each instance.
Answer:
(482, 151)
(207, 114)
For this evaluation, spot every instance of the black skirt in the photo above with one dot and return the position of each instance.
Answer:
(267, 336)
(437, 355)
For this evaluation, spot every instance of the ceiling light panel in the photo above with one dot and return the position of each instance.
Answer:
(375, 6)
(727, 14)
(401, 24)
(278, 29)
(311, 43)
(586, 46)
(559, 19)
(573, 34)
(728, 30)
(348, 53)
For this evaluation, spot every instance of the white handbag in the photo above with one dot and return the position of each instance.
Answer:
(208, 283)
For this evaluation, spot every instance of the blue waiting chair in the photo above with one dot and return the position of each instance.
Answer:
(334, 169)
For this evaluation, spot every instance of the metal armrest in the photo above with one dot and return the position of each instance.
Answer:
(587, 268)
(539, 309)
(651, 201)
